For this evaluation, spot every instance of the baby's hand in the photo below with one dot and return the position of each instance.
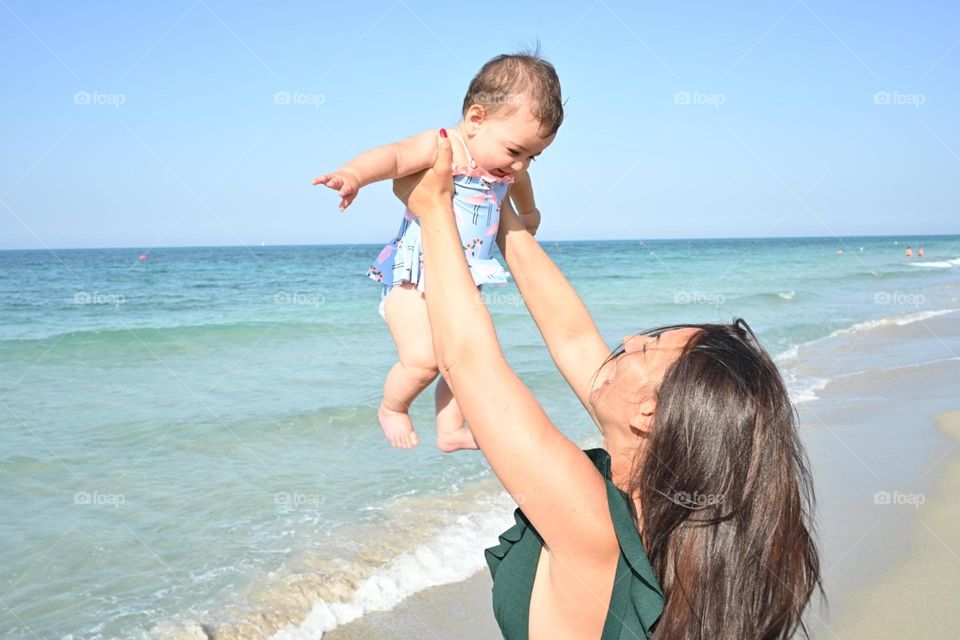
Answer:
(344, 183)
(521, 193)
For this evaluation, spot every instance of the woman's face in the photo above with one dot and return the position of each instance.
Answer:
(624, 393)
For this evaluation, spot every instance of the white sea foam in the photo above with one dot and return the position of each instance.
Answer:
(891, 321)
(793, 352)
(808, 392)
(805, 389)
(789, 354)
(787, 295)
(937, 264)
(451, 556)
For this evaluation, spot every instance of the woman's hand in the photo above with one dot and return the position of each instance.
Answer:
(430, 191)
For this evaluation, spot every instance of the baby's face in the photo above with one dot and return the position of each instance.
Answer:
(505, 144)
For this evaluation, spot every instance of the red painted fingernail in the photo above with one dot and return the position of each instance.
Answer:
(443, 133)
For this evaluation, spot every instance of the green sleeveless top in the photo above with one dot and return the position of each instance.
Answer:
(636, 601)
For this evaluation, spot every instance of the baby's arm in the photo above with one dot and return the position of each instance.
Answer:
(390, 161)
(521, 193)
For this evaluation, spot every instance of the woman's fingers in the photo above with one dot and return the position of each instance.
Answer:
(403, 186)
(444, 162)
(430, 182)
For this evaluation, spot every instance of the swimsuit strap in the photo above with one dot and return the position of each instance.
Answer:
(473, 165)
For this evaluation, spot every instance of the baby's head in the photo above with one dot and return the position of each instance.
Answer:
(511, 112)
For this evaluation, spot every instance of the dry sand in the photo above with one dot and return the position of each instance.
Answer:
(920, 597)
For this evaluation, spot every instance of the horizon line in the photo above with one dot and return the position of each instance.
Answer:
(542, 241)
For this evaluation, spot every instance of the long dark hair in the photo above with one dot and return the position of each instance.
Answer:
(726, 494)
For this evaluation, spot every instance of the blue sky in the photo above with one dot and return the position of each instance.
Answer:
(158, 124)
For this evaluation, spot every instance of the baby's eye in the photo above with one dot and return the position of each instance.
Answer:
(513, 152)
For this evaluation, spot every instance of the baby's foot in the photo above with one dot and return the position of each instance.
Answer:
(398, 428)
(456, 440)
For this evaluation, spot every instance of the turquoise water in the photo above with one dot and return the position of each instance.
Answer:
(193, 436)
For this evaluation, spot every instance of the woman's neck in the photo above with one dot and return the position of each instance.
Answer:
(622, 455)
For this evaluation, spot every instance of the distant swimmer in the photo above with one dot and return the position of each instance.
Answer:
(920, 252)
(143, 257)
(909, 252)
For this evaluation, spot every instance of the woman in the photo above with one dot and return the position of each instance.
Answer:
(693, 521)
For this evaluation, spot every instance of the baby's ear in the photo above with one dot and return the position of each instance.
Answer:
(476, 115)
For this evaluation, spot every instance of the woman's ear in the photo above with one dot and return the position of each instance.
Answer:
(642, 421)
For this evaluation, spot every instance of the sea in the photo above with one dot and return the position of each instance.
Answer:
(189, 439)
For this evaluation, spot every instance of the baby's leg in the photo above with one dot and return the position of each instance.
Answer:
(406, 314)
(451, 434)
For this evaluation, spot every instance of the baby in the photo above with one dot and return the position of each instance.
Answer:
(511, 113)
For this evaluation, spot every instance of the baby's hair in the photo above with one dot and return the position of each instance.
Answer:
(505, 82)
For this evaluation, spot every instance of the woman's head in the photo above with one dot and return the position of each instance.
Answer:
(722, 480)
(512, 111)
(624, 400)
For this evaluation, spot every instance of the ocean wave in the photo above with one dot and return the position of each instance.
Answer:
(793, 352)
(138, 334)
(937, 264)
(769, 296)
(788, 354)
(451, 556)
(312, 595)
(807, 390)
(890, 321)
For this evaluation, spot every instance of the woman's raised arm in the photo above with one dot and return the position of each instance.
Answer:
(569, 332)
(557, 486)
